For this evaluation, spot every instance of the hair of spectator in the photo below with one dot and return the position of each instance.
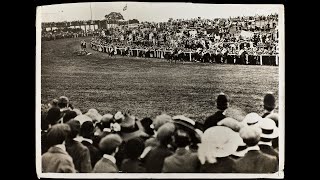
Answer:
(57, 134)
(181, 138)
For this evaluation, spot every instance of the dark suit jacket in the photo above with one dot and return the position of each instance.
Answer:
(255, 161)
(182, 161)
(57, 160)
(80, 155)
(105, 166)
(155, 158)
(95, 154)
(132, 166)
(268, 150)
(213, 119)
(223, 165)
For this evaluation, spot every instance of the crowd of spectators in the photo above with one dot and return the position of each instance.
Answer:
(213, 36)
(88, 142)
(66, 33)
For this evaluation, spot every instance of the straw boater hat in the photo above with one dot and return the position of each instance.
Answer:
(218, 141)
(188, 124)
(269, 128)
(252, 119)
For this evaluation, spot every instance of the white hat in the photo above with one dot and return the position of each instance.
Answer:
(94, 115)
(252, 119)
(82, 118)
(220, 141)
(269, 128)
(231, 123)
(119, 116)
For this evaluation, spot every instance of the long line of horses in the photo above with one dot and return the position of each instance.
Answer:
(176, 56)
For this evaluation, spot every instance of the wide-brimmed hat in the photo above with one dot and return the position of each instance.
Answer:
(107, 118)
(252, 119)
(82, 118)
(128, 121)
(161, 120)
(219, 141)
(269, 128)
(94, 115)
(236, 113)
(118, 116)
(274, 117)
(188, 125)
(231, 123)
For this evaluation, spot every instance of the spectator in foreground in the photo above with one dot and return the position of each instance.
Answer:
(269, 132)
(53, 117)
(217, 145)
(109, 146)
(222, 104)
(57, 160)
(269, 104)
(155, 157)
(86, 131)
(183, 160)
(254, 161)
(79, 153)
(157, 123)
(134, 148)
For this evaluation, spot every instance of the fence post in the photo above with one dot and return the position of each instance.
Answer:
(260, 59)
(277, 60)
(190, 56)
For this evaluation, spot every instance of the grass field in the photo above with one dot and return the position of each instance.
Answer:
(148, 87)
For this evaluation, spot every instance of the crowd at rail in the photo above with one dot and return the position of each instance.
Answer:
(73, 141)
(215, 36)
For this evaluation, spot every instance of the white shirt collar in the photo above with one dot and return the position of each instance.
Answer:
(253, 148)
(61, 146)
(265, 143)
(111, 158)
(88, 140)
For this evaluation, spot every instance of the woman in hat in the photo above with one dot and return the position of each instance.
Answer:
(57, 160)
(217, 145)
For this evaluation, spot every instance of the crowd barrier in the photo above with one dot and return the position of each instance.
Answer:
(272, 60)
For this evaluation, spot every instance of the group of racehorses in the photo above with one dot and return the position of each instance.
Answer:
(175, 56)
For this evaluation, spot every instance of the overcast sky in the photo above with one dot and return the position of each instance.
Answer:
(157, 12)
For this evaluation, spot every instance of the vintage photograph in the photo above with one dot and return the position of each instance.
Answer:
(160, 90)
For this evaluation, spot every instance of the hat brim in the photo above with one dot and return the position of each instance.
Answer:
(240, 153)
(274, 135)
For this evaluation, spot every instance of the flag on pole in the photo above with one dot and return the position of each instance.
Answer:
(125, 7)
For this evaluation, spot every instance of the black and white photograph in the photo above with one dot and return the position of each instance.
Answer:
(160, 90)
